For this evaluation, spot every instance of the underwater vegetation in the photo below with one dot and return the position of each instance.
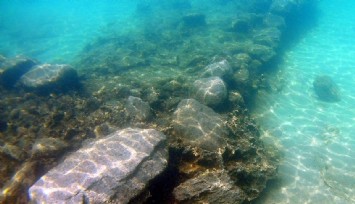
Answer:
(184, 74)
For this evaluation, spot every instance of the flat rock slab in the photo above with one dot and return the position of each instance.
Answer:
(50, 76)
(114, 169)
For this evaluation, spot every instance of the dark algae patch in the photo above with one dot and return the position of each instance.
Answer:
(187, 70)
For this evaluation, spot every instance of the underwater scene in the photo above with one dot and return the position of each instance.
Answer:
(177, 101)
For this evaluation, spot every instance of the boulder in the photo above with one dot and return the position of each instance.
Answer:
(271, 20)
(199, 125)
(269, 37)
(210, 91)
(217, 69)
(326, 89)
(137, 109)
(209, 187)
(261, 52)
(50, 78)
(114, 169)
(11, 70)
(194, 20)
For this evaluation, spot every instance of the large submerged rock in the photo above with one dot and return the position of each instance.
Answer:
(50, 77)
(199, 125)
(11, 70)
(210, 91)
(326, 89)
(114, 169)
(217, 69)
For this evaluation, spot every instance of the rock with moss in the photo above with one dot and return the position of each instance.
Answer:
(326, 89)
(12, 69)
(210, 91)
(209, 187)
(50, 78)
(137, 109)
(199, 125)
(114, 169)
(217, 69)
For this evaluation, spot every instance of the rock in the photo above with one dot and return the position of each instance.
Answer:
(236, 98)
(246, 22)
(194, 20)
(326, 89)
(210, 91)
(209, 187)
(241, 76)
(217, 69)
(241, 26)
(261, 52)
(13, 152)
(50, 78)
(137, 109)
(276, 21)
(283, 6)
(114, 169)
(199, 125)
(47, 147)
(11, 70)
(269, 37)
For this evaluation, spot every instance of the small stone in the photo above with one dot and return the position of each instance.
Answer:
(241, 76)
(326, 89)
(48, 147)
(210, 91)
(137, 109)
(236, 98)
(13, 151)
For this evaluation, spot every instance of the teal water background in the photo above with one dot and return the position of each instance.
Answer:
(56, 31)
(317, 138)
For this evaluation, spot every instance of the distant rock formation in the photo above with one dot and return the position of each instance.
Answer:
(114, 169)
(326, 89)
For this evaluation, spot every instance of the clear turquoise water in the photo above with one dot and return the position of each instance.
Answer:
(56, 31)
(317, 138)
